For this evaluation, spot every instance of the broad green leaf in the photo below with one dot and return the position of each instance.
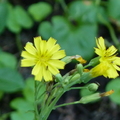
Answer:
(28, 91)
(3, 16)
(22, 17)
(7, 60)
(78, 39)
(10, 80)
(113, 7)
(40, 10)
(21, 104)
(12, 23)
(114, 85)
(20, 115)
(83, 11)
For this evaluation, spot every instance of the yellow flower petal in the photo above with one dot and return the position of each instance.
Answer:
(45, 58)
(57, 63)
(54, 49)
(27, 62)
(53, 69)
(111, 51)
(108, 60)
(58, 55)
(37, 41)
(50, 43)
(47, 75)
(37, 68)
(100, 43)
(27, 55)
(43, 47)
(38, 77)
(30, 48)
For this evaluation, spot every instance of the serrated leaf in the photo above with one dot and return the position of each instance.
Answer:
(74, 39)
(40, 10)
(10, 80)
(7, 60)
(22, 17)
(114, 85)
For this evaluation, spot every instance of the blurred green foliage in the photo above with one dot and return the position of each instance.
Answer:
(75, 25)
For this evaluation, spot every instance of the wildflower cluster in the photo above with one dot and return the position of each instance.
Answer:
(47, 58)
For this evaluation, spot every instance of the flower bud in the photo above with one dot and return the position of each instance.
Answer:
(93, 87)
(80, 69)
(90, 98)
(67, 59)
(94, 61)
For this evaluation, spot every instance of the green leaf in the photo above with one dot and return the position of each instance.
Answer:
(74, 39)
(7, 60)
(12, 23)
(22, 115)
(113, 7)
(28, 91)
(21, 104)
(83, 11)
(3, 16)
(114, 85)
(40, 10)
(10, 80)
(22, 17)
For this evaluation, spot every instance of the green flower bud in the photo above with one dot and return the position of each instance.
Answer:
(86, 77)
(94, 61)
(93, 87)
(90, 98)
(80, 69)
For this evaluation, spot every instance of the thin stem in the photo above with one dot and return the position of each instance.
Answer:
(73, 88)
(35, 104)
(63, 4)
(65, 104)
(18, 42)
(48, 108)
(111, 30)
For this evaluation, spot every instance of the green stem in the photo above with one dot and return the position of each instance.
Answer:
(35, 104)
(65, 104)
(111, 30)
(47, 110)
(18, 42)
(73, 88)
(63, 4)
(97, 2)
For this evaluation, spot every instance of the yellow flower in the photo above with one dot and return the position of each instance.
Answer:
(109, 62)
(44, 56)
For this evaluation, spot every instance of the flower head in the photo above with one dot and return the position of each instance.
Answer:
(109, 62)
(44, 56)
